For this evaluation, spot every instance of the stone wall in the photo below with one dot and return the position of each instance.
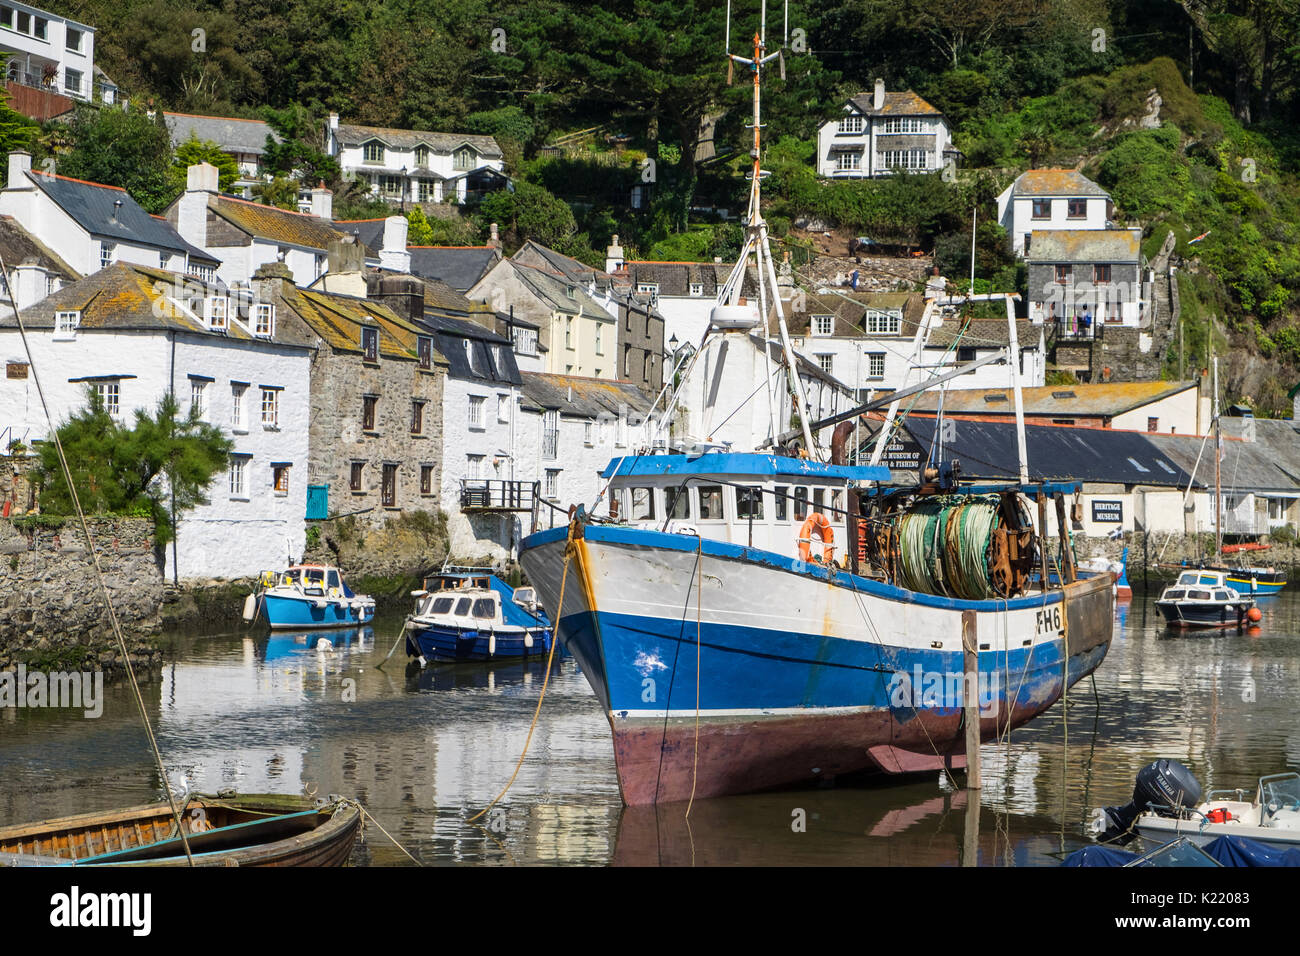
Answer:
(51, 608)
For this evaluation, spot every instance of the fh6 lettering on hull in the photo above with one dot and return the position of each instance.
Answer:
(1048, 620)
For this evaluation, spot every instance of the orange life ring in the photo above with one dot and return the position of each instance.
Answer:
(822, 524)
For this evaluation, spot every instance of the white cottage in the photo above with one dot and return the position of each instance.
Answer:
(133, 334)
(1058, 199)
(879, 132)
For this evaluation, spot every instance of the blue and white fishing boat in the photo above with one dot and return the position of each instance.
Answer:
(309, 597)
(468, 615)
(755, 620)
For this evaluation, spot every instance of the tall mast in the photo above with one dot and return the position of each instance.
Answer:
(1218, 467)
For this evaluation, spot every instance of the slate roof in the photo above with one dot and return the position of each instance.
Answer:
(1270, 463)
(1085, 245)
(676, 278)
(369, 232)
(274, 224)
(580, 397)
(541, 257)
(553, 290)
(461, 267)
(1102, 400)
(349, 134)
(123, 296)
(93, 207)
(17, 245)
(1055, 182)
(231, 134)
(988, 450)
(472, 351)
(850, 311)
(896, 104)
(983, 333)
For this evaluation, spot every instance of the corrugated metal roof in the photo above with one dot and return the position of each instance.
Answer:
(1055, 182)
(273, 224)
(1085, 245)
(107, 212)
(352, 135)
(461, 267)
(988, 450)
(231, 134)
(1106, 399)
(582, 397)
(896, 104)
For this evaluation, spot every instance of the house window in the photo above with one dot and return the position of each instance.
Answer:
(218, 307)
(197, 389)
(1101, 273)
(902, 124)
(280, 479)
(697, 288)
(106, 252)
(883, 323)
(646, 288)
(110, 396)
(426, 479)
(237, 405)
(417, 418)
(51, 285)
(422, 156)
(525, 341)
(474, 466)
(42, 28)
(827, 363)
(426, 190)
(354, 478)
(503, 408)
(1153, 424)
(1042, 209)
(388, 489)
(550, 434)
(72, 39)
(1077, 208)
(600, 349)
(588, 428)
(264, 319)
(476, 403)
(65, 325)
(373, 152)
(270, 408)
(238, 469)
(1063, 274)
(369, 406)
(851, 124)
(464, 158)
(568, 333)
(370, 344)
(846, 160)
(72, 81)
(904, 159)
(24, 22)
(391, 186)
(876, 365)
(823, 324)
(552, 488)
(426, 352)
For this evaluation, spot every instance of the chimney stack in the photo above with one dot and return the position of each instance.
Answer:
(613, 255)
(878, 101)
(494, 240)
(201, 181)
(346, 274)
(393, 255)
(19, 163)
(322, 202)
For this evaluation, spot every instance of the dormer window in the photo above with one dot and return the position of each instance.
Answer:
(851, 124)
(264, 319)
(464, 158)
(217, 309)
(823, 324)
(65, 326)
(697, 288)
(647, 288)
(370, 344)
(373, 151)
(571, 292)
(422, 156)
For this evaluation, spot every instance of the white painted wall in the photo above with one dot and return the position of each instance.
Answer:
(870, 144)
(32, 51)
(496, 441)
(1175, 415)
(266, 526)
(1016, 215)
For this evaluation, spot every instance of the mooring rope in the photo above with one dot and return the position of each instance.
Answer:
(944, 545)
(699, 598)
(94, 558)
(369, 816)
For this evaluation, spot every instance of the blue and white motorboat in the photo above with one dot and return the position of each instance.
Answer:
(473, 615)
(1205, 599)
(308, 597)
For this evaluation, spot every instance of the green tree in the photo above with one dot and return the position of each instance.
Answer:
(193, 151)
(301, 152)
(529, 212)
(419, 232)
(127, 149)
(159, 466)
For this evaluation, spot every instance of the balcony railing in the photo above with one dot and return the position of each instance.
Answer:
(490, 494)
(1253, 523)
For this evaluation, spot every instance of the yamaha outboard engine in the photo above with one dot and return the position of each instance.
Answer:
(1165, 787)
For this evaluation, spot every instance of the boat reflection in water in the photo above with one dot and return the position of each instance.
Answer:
(475, 676)
(285, 645)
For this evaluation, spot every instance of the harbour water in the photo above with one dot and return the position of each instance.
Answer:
(426, 751)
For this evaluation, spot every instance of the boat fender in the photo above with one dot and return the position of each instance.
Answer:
(492, 644)
(319, 603)
(528, 640)
(1255, 615)
(250, 607)
(822, 525)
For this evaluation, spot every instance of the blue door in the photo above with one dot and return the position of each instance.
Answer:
(318, 502)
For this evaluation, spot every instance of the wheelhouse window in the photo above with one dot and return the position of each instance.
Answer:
(678, 503)
(781, 504)
(485, 608)
(800, 504)
(643, 504)
(749, 504)
(711, 503)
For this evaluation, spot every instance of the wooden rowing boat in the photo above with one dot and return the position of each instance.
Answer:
(247, 830)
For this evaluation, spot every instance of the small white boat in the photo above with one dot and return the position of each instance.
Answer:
(1204, 599)
(309, 596)
(1273, 817)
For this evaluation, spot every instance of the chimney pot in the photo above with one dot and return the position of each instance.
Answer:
(878, 101)
(20, 162)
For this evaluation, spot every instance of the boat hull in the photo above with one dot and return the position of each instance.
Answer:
(1204, 614)
(310, 613)
(804, 673)
(455, 644)
(1259, 587)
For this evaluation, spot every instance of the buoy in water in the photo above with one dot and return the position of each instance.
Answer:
(1255, 615)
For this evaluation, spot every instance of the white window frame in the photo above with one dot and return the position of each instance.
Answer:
(264, 319)
(270, 408)
(882, 322)
(197, 404)
(474, 466)
(697, 288)
(852, 124)
(848, 160)
(826, 361)
(66, 324)
(110, 395)
(477, 403)
(238, 393)
(551, 486)
(875, 365)
(503, 409)
(216, 312)
(823, 324)
(107, 251)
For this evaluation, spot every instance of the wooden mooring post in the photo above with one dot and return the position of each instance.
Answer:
(970, 698)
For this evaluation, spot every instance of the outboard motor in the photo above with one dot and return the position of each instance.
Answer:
(1165, 787)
